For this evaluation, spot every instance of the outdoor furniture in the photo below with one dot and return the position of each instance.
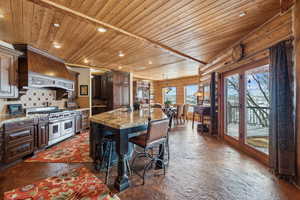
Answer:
(157, 135)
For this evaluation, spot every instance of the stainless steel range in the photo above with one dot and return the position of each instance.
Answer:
(61, 122)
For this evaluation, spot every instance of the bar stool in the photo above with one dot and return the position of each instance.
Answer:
(157, 135)
(107, 144)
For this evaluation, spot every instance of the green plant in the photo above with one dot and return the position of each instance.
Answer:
(168, 102)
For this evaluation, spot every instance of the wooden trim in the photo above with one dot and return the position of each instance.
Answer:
(221, 56)
(10, 51)
(175, 79)
(279, 27)
(68, 11)
(248, 66)
(261, 157)
(285, 5)
(44, 53)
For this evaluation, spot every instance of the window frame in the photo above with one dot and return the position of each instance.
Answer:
(163, 94)
(185, 93)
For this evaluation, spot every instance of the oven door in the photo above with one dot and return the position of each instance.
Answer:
(68, 127)
(54, 130)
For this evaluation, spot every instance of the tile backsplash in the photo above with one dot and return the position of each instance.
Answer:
(34, 98)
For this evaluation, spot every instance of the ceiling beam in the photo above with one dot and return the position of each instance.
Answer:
(285, 5)
(74, 13)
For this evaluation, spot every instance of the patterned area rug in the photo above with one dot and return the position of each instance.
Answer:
(75, 150)
(78, 184)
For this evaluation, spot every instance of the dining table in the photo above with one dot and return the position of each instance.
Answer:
(122, 124)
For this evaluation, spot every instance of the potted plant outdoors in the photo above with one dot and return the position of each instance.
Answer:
(137, 105)
(167, 103)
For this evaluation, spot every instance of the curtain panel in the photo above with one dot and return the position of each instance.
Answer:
(282, 131)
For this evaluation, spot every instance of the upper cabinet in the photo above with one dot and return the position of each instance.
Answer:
(121, 89)
(8, 72)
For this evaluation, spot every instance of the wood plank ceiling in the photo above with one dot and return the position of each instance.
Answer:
(197, 28)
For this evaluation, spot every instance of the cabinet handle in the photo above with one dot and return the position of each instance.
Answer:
(18, 134)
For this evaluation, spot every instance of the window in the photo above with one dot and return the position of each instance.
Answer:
(190, 97)
(206, 89)
(169, 94)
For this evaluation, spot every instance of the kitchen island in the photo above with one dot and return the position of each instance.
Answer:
(123, 125)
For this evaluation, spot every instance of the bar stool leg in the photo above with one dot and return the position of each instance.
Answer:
(108, 162)
(128, 167)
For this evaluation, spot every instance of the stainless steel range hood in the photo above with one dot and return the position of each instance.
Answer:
(39, 69)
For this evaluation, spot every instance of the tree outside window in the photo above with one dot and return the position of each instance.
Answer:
(169, 95)
(190, 98)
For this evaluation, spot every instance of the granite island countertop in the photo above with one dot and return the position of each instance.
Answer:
(120, 119)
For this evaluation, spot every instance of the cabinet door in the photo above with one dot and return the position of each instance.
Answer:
(125, 95)
(78, 124)
(1, 144)
(43, 135)
(18, 143)
(8, 76)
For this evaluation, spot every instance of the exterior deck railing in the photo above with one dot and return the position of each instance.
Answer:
(255, 116)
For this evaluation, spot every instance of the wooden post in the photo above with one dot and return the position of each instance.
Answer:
(213, 113)
(296, 24)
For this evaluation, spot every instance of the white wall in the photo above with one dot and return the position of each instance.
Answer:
(84, 78)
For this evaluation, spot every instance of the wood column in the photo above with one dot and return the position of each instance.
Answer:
(213, 113)
(296, 24)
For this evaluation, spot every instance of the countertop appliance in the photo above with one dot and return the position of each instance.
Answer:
(15, 109)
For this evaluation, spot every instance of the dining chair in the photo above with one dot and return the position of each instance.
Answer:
(157, 106)
(179, 113)
(156, 135)
(185, 112)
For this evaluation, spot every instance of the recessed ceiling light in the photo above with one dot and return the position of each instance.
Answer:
(1, 16)
(242, 14)
(86, 61)
(56, 45)
(56, 25)
(150, 62)
(102, 30)
(120, 67)
(121, 54)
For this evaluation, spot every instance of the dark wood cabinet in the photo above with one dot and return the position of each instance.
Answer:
(18, 140)
(8, 73)
(112, 89)
(42, 135)
(1, 144)
(121, 89)
(99, 87)
(78, 123)
(96, 87)
(85, 119)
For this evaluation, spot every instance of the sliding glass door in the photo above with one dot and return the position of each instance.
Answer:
(246, 108)
(257, 108)
(232, 105)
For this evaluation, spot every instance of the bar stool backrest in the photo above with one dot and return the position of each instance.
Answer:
(157, 106)
(157, 130)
